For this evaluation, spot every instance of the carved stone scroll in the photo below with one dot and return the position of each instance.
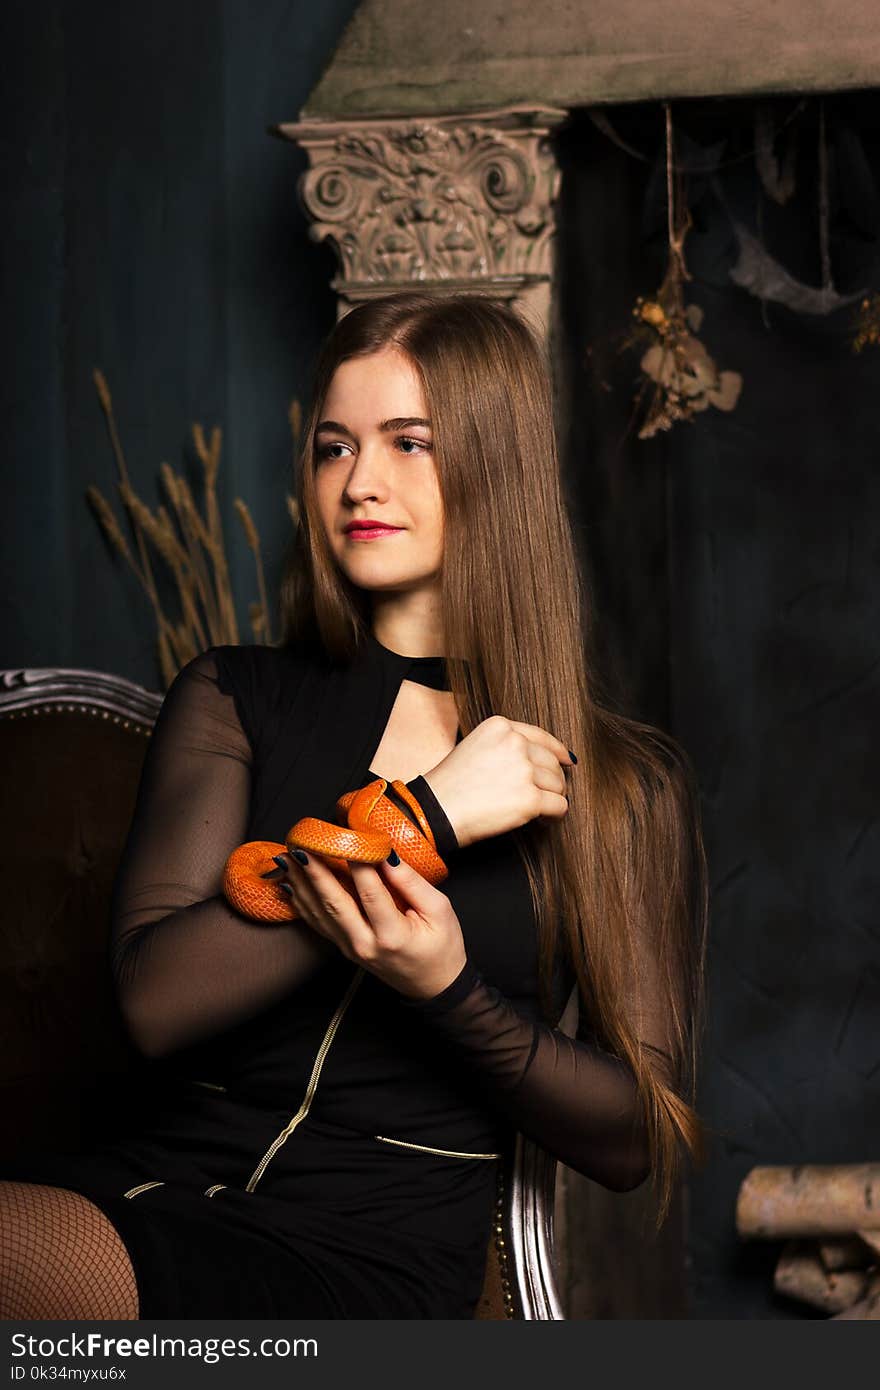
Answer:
(451, 203)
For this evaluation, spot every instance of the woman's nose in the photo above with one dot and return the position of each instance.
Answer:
(366, 477)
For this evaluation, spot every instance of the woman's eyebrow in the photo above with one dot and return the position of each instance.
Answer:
(401, 422)
(335, 426)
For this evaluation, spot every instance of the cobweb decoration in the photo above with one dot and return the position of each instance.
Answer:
(757, 272)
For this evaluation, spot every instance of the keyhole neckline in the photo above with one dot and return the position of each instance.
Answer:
(424, 670)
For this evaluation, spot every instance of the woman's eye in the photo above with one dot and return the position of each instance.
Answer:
(410, 446)
(331, 451)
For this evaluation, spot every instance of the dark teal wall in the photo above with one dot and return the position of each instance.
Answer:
(152, 229)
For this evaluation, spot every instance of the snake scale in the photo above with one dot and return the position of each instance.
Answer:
(371, 825)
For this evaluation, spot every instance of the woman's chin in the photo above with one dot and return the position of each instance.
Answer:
(373, 573)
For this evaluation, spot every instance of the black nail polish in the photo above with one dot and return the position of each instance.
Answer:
(286, 888)
(280, 860)
(300, 855)
(573, 756)
(393, 858)
(269, 874)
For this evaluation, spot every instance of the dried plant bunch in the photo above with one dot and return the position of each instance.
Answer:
(686, 377)
(190, 543)
(681, 376)
(867, 332)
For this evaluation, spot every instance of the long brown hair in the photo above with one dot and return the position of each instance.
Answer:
(621, 877)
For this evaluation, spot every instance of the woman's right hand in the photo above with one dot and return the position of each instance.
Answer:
(501, 776)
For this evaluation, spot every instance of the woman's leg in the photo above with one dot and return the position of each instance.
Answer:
(60, 1257)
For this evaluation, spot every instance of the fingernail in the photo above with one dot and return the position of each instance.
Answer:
(286, 888)
(269, 874)
(300, 855)
(280, 860)
(393, 858)
(573, 756)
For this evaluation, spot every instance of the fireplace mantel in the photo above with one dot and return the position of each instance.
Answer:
(461, 203)
(430, 133)
(405, 58)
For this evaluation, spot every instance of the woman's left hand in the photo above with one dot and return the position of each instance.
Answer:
(418, 951)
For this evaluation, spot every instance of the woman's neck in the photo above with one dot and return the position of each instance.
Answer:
(410, 630)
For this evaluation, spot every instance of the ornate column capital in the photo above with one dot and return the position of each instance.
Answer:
(463, 202)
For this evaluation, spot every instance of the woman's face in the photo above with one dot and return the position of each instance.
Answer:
(374, 462)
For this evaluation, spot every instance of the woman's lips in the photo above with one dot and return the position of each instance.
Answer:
(371, 533)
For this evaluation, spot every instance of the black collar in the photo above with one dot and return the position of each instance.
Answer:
(424, 670)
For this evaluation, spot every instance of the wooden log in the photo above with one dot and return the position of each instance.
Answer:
(867, 1309)
(871, 1239)
(811, 1199)
(800, 1274)
(844, 1252)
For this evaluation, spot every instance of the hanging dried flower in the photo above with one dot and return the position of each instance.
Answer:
(686, 379)
(681, 376)
(868, 323)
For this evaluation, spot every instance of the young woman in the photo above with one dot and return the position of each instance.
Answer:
(338, 1090)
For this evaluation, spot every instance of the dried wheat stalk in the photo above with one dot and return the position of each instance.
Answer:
(190, 544)
(259, 612)
(210, 459)
(195, 536)
(107, 406)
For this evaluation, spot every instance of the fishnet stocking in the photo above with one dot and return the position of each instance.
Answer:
(60, 1257)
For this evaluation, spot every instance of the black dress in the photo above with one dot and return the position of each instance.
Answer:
(321, 1145)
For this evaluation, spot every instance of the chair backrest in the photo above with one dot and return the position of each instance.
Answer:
(72, 744)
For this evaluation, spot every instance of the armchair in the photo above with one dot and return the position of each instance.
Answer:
(72, 743)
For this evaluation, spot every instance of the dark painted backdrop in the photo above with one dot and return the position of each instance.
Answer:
(736, 578)
(152, 229)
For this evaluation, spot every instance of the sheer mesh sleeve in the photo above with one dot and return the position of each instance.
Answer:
(577, 1101)
(185, 964)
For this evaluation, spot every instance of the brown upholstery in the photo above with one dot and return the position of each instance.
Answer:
(70, 781)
